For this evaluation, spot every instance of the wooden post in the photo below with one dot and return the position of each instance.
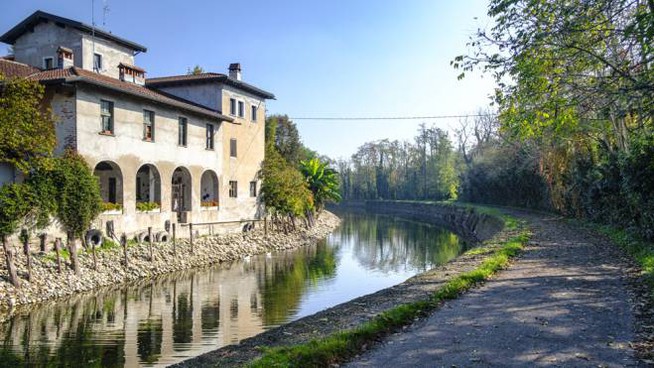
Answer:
(174, 241)
(150, 242)
(11, 269)
(95, 260)
(42, 239)
(190, 230)
(123, 242)
(26, 250)
(57, 246)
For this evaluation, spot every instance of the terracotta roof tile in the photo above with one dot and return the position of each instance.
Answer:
(74, 74)
(10, 69)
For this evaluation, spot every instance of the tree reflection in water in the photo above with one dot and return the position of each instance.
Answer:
(177, 316)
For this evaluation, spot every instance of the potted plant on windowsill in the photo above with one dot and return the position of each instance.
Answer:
(148, 207)
(209, 205)
(110, 208)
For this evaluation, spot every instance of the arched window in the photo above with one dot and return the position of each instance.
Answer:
(111, 185)
(148, 188)
(209, 189)
(181, 190)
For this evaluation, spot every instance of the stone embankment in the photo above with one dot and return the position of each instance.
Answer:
(465, 221)
(47, 283)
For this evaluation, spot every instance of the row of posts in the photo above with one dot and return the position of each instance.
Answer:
(123, 243)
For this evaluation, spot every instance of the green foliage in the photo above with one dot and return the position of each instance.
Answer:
(574, 91)
(79, 200)
(197, 69)
(284, 134)
(109, 206)
(27, 135)
(340, 346)
(147, 206)
(426, 169)
(322, 181)
(283, 190)
(15, 202)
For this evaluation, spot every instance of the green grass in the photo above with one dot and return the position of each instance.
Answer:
(340, 346)
(52, 256)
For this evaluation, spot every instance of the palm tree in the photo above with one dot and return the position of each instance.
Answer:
(322, 180)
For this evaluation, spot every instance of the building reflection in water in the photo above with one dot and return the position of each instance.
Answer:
(181, 315)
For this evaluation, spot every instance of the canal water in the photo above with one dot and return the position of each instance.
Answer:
(181, 315)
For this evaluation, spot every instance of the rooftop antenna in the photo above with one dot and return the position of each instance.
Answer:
(96, 68)
(105, 10)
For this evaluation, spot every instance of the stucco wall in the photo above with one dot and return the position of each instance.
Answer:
(129, 151)
(32, 47)
(112, 55)
(250, 138)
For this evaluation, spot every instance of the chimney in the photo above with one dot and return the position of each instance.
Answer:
(235, 71)
(64, 57)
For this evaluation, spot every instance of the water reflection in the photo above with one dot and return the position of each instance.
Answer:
(171, 318)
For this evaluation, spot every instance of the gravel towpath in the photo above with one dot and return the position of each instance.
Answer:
(566, 302)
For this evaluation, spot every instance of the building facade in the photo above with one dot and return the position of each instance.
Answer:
(176, 149)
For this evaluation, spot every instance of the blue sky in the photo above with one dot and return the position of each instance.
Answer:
(320, 58)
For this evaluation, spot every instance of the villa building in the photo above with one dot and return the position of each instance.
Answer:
(173, 149)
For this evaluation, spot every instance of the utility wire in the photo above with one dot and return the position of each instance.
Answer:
(391, 117)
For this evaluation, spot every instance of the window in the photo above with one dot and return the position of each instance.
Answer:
(254, 113)
(210, 136)
(182, 131)
(97, 62)
(253, 189)
(107, 116)
(232, 147)
(232, 106)
(112, 190)
(148, 125)
(48, 63)
(233, 189)
(241, 109)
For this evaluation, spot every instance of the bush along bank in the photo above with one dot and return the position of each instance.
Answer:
(341, 346)
(48, 283)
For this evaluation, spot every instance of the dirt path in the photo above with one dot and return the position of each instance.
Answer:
(565, 302)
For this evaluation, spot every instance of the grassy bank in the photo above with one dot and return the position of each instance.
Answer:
(341, 346)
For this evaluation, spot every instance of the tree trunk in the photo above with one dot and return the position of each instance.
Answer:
(57, 246)
(72, 248)
(28, 257)
(42, 239)
(11, 268)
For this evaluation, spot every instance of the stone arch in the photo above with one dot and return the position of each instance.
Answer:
(209, 189)
(111, 181)
(148, 184)
(181, 190)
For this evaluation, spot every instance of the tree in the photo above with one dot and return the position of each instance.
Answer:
(27, 136)
(322, 180)
(79, 200)
(287, 140)
(197, 70)
(14, 205)
(283, 190)
(575, 94)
